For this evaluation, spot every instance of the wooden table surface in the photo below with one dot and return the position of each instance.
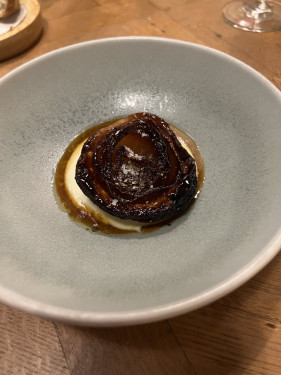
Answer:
(239, 334)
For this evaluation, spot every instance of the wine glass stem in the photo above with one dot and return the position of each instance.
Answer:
(258, 10)
(262, 4)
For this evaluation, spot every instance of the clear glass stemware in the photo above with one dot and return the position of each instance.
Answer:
(254, 15)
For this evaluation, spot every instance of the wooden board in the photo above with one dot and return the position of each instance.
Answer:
(25, 34)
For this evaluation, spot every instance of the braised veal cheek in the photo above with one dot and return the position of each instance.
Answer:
(137, 169)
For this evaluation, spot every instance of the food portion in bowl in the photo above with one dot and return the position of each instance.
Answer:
(129, 175)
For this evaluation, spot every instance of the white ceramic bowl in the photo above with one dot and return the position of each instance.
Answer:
(54, 268)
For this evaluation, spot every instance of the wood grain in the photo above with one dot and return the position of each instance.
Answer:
(116, 351)
(29, 345)
(238, 335)
(25, 34)
(219, 340)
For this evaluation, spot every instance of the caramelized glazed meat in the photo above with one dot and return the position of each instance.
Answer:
(137, 169)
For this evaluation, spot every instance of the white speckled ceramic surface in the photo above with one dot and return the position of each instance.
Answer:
(52, 267)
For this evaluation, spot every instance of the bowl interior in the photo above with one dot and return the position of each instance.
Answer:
(232, 113)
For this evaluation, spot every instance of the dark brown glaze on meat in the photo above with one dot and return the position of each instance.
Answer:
(137, 169)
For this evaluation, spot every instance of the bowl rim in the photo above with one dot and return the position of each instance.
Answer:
(145, 315)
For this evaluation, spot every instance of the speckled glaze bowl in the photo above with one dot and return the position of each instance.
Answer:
(52, 267)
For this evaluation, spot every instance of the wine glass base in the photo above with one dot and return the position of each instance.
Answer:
(249, 18)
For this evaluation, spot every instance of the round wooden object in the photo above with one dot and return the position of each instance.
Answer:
(25, 34)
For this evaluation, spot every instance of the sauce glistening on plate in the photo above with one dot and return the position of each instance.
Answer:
(129, 175)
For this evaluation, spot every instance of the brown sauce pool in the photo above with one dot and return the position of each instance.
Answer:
(93, 222)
